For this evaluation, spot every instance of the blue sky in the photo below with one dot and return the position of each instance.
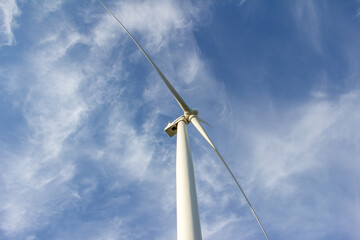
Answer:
(83, 154)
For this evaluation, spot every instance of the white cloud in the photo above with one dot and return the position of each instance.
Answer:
(299, 143)
(8, 11)
(128, 148)
(298, 157)
(241, 2)
(33, 192)
(36, 183)
(37, 178)
(308, 21)
(157, 22)
(49, 6)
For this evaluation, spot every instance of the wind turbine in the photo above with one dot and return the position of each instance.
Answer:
(187, 213)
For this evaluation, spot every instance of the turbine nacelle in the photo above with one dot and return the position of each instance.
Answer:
(171, 128)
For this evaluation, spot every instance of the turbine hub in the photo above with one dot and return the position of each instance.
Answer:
(171, 128)
(194, 112)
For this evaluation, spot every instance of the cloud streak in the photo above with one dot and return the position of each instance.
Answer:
(8, 11)
(308, 21)
(299, 156)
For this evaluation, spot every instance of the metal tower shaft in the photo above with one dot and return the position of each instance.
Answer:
(188, 221)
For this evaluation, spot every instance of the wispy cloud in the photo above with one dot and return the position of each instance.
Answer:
(308, 21)
(36, 180)
(241, 2)
(303, 136)
(306, 148)
(8, 11)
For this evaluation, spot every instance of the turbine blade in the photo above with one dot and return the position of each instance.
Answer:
(203, 121)
(198, 126)
(178, 98)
